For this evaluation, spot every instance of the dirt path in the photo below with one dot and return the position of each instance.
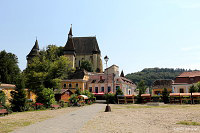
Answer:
(145, 119)
(66, 123)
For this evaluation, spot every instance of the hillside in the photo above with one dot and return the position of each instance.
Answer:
(149, 75)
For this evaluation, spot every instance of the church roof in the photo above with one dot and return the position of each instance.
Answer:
(35, 50)
(86, 45)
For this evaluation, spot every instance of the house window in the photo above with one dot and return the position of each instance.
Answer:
(181, 90)
(77, 85)
(117, 87)
(96, 90)
(64, 85)
(90, 89)
(129, 92)
(109, 89)
(70, 85)
(102, 89)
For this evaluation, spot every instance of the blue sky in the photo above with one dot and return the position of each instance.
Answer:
(135, 34)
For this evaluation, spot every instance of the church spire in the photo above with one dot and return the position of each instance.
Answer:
(69, 47)
(34, 51)
(122, 74)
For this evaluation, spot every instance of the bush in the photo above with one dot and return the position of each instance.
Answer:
(2, 98)
(46, 97)
(110, 98)
(165, 96)
(62, 103)
(74, 100)
(90, 96)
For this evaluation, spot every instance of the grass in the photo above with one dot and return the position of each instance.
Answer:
(189, 123)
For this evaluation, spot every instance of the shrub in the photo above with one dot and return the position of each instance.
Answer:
(61, 103)
(90, 96)
(74, 100)
(2, 98)
(165, 96)
(110, 98)
(46, 97)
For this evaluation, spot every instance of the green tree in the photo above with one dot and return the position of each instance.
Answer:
(2, 98)
(193, 88)
(78, 91)
(9, 70)
(165, 95)
(46, 97)
(198, 86)
(18, 97)
(141, 86)
(87, 65)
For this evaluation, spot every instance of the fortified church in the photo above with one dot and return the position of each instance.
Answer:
(77, 49)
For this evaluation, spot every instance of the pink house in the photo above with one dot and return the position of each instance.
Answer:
(110, 81)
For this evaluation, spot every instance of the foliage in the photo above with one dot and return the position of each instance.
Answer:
(88, 94)
(87, 65)
(78, 91)
(149, 75)
(9, 70)
(110, 98)
(198, 86)
(2, 98)
(46, 97)
(165, 95)
(141, 86)
(193, 88)
(119, 92)
(74, 100)
(19, 100)
(47, 70)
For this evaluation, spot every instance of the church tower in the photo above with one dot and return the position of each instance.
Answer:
(34, 52)
(69, 49)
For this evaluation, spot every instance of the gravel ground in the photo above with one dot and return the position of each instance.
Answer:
(17, 120)
(144, 119)
(65, 123)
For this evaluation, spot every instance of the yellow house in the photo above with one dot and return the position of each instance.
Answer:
(7, 88)
(159, 85)
(77, 80)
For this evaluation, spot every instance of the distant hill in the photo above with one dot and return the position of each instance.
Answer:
(149, 75)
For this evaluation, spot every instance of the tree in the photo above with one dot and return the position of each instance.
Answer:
(2, 98)
(19, 99)
(9, 70)
(47, 70)
(165, 95)
(149, 75)
(198, 86)
(85, 64)
(46, 97)
(141, 87)
(193, 89)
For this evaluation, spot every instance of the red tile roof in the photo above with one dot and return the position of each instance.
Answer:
(190, 74)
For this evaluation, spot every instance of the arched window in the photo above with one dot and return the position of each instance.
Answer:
(70, 85)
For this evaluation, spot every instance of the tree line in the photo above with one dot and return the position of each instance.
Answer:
(149, 75)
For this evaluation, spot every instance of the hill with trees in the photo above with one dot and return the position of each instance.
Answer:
(149, 75)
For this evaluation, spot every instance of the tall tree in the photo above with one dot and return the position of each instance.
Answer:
(85, 64)
(9, 70)
(19, 98)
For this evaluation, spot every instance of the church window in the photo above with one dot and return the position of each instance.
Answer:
(90, 89)
(70, 85)
(64, 85)
(76, 84)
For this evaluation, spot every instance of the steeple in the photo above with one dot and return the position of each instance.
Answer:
(34, 51)
(122, 74)
(69, 47)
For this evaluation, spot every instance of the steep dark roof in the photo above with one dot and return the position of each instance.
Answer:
(122, 74)
(35, 50)
(69, 46)
(86, 45)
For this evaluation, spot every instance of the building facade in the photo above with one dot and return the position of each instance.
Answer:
(109, 82)
(77, 49)
(184, 81)
(159, 85)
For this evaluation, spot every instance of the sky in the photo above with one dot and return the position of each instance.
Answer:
(135, 34)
